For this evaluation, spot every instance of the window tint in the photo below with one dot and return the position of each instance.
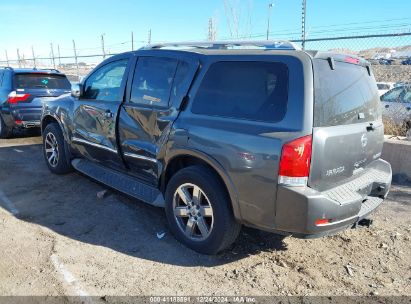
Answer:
(244, 90)
(41, 81)
(153, 81)
(382, 86)
(105, 83)
(6, 83)
(344, 93)
(181, 74)
(407, 95)
(393, 95)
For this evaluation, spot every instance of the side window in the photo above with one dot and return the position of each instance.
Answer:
(244, 90)
(6, 83)
(1, 78)
(105, 83)
(392, 96)
(153, 81)
(407, 96)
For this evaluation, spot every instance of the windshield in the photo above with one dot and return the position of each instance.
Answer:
(40, 81)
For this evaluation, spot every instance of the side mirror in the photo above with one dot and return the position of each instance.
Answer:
(76, 90)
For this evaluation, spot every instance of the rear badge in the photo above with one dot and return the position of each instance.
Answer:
(335, 171)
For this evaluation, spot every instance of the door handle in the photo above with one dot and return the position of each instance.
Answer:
(387, 106)
(108, 114)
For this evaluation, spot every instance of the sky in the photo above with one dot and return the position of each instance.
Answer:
(37, 23)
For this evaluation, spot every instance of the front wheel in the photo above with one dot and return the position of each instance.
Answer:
(198, 210)
(54, 150)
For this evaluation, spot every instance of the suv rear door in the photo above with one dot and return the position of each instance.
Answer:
(95, 112)
(348, 133)
(155, 92)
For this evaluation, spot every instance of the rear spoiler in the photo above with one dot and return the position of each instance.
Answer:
(332, 57)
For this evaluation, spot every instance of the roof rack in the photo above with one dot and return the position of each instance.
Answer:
(224, 45)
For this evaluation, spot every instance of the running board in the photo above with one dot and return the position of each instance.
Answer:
(120, 182)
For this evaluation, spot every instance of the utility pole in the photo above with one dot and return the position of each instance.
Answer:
(18, 58)
(75, 58)
(58, 50)
(303, 17)
(270, 6)
(52, 56)
(210, 29)
(132, 41)
(102, 46)
(34, 56)
(149, 36)
(7, 58)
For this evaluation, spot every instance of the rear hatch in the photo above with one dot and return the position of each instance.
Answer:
(348, 133)
(37, 87)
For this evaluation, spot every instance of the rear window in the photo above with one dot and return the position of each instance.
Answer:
(244, 90)
(41, 81)
(345, 95)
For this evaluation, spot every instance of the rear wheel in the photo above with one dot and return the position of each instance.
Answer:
(198, 211)
(5, 132)
(54, 149)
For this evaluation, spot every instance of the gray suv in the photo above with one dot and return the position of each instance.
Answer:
(226, 134)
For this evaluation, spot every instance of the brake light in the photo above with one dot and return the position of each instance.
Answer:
(295, 162)
(352, 60)
(15, 97)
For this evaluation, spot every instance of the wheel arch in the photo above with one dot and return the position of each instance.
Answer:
(183, 158)
(50, 118)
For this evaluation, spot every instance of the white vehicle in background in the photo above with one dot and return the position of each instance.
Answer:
(384, 87)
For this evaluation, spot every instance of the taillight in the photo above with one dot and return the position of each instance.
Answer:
(15, 97)
(295, 162)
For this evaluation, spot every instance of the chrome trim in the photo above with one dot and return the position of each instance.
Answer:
(83, 141)
(132, 155)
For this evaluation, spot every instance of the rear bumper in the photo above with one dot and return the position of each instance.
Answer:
(22, 117)
(298, 209)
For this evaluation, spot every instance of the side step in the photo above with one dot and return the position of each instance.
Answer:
(120, 181)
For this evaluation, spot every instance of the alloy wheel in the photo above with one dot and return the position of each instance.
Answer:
(52, 149)
(193, 212)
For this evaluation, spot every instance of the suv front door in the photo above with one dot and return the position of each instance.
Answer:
(153, 99)
(96, 111)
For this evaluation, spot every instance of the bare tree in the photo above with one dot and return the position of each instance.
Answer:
(239, 22)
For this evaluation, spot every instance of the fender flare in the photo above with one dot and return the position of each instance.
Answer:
(213, 163)
(63, 130)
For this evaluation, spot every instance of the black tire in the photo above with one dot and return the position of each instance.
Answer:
(5, 132)
(224, 229)
(60, 164)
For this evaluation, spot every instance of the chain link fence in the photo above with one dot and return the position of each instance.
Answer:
(390, 55)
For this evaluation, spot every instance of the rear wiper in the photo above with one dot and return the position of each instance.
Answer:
(370, 127)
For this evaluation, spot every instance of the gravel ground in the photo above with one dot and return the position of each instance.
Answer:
(392, 73)
(58, 238)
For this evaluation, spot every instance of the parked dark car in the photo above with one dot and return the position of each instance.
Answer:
(384, 61)
(228, 134)
(406, 61)
(22, 93)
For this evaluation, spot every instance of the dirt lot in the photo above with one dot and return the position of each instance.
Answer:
(58, 238)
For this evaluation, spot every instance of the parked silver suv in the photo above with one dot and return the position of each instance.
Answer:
(228, 134)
